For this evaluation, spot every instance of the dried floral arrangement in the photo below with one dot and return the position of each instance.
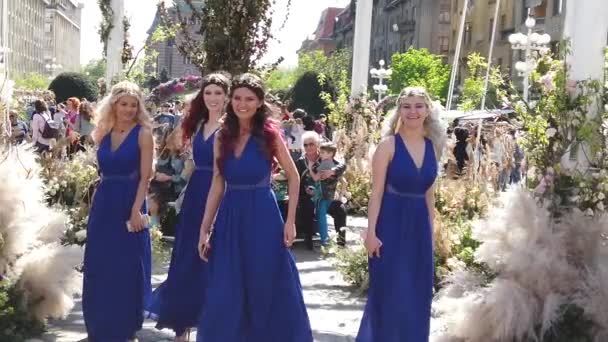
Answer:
(39, 274)
(545, 247)
(356, 139)
(69, 187)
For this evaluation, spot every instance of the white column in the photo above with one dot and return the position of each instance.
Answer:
(361, 46)
(586, 26)
(115, 43)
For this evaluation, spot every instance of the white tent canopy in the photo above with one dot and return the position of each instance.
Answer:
(450, 115)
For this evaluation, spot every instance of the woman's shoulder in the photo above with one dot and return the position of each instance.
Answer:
(387, 142)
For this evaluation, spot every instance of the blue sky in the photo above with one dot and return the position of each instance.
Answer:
(301, 23)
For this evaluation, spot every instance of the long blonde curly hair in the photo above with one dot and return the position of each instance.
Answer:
(434, 129)
(105, 113)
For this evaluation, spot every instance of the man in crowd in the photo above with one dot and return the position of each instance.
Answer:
(18, 128)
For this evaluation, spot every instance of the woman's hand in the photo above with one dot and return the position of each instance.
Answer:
(136, 221)
(289, 233)
(162, 177)
(204, 245)
(372, 244)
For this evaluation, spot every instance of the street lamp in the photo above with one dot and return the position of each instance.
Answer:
(529, 42)
(52, 67)
(381, 74)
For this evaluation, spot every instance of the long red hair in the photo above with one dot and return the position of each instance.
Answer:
(264, 130)
(199, 113)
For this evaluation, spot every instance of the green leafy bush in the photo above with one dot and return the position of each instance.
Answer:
(420, 68)
(72, 84)
(16, 323)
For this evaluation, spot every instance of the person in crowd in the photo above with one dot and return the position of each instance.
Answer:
(476, 152)
(286, 114)
(163, 122)
(299, 113)
(280, 187)
(73, 106)
(43, 127)
(84, 125)
(18, 128)
(309, 122)
(325, 187)
(168, 179)
(499, 162)
(518, 159)
(29, 111)
(117, 257)
(294, 140)
(60, 117)
(178, 112)
(306, 206)
(254, 291)
(320, 125)
(71, 134)
(178, 302)
(461, 148)
(399, 237)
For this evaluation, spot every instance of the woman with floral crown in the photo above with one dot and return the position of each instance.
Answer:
(399, 238)
(177, 303)
(117, 265)
(254, 291)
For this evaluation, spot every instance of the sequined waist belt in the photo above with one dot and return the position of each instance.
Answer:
(264, 183)
(391, 190)
(111, 177)
(203, 168)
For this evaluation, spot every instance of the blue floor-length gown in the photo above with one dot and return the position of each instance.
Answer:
(117, 265)
(177, 303)
(398, 307)
(254, 292)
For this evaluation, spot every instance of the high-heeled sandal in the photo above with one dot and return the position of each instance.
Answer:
(185, 337)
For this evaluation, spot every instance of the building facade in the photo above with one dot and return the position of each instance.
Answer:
(25, 36)
(477, 35)
(398, 25)
(169, 60)
(323, 37)
(512, 16)
(548, 15)
(62, 36)
(43, 36)
(344, 28)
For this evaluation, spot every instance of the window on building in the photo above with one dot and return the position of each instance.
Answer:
(444, 45)
(444, 16)
(503, 23)
(491, 29)
(557, 7)
(468, 31)
(540, 11)
(499, 63)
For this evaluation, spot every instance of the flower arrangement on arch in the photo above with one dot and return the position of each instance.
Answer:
(174, 87)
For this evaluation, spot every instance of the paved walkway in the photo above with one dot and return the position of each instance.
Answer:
(333, 309)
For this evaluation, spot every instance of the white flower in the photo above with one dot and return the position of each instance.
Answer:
(600, 206)
(550, 132)
(81, 235)
(589, 212)
(601, 196)
(575, 199)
